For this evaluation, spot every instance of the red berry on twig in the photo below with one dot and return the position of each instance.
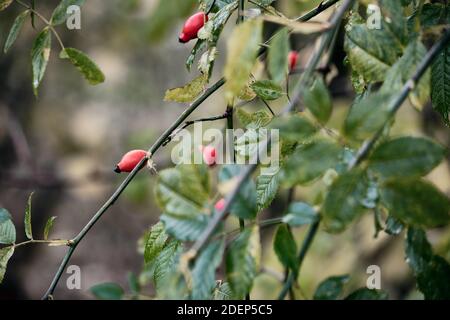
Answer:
(130, 160)
(191, 27)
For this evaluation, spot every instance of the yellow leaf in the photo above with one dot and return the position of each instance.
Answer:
(189, 92)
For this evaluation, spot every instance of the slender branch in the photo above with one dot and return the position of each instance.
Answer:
(55, 242)
(241, 8)
(155, 147)
(268, 107)
(47, 22)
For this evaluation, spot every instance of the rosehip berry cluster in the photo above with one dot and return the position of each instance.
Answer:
(130, 160)
(191, 27)
(293, 59)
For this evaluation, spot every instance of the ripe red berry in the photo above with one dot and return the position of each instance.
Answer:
(293, 59)
(220, 205)
(191, 27)
(130, 160)
(209, 155)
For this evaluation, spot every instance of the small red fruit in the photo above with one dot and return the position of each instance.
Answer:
(293, 59)
(130, 160)
(191, 27)
(209, 155)
(220, 205)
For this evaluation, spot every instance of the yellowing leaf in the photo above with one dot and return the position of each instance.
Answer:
(242, 51)
(189, 92)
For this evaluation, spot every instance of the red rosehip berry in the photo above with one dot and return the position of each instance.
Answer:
(130, 160)
(191, 27)
(293, 59)
(220, 205)
(209, 155)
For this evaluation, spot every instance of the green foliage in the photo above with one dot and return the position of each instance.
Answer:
(431, 271)
(40, 54)
(242, 261)
(415, 202)
(343, 204)
(367, 116)
(84, 64)
(367, 294)
(300, 213)
(204, 271)
(331, 288)
(27, 221)
(15, 30)
(5, 4)
(266, 189)
(60, 15)
(5, 255)
(189, 92)
(267, 90)
(7, 228)
(318, 100)
(285, 248)
(406, 157)
(166, 264)
(107, 291)
(278, 56)
(245, 206)
(155, 240)
(294, 127)
(242, 50)
(310, 161)
(253, 120)
(440, 84)
(48, 227)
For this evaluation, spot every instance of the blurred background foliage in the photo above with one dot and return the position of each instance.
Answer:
(65, 144)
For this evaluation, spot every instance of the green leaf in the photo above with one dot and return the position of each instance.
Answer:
(294, 127)
(27, 221)
(223, 292)
(199, 46)
(310, 161)
(5, 255)
(266, 189)
(404, 69)
(15, 30)
(60, 14)
(185, 229)
(394, 21)
(7, 229)
(440, 84)
(40, 54)
(299, 214)
(318, 100)
(278, 56)
(433, 14)
(84, 64)
(183, 191)
(133, 283)
(254, 120)
(5, 4)
(331, 288)
(189, 92)
(370, 52)
(204, 271)
(243, 46)
(242, 261)
(432, 271)
(285, 248)
(107, 291)
(244, 206)
(367, 116)
(165, 263)
(415, 202)
(267, 89)
(406, 157)
(393, 226)
(343, 202)
(367, 294)
(48, 226)
(155, 241)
